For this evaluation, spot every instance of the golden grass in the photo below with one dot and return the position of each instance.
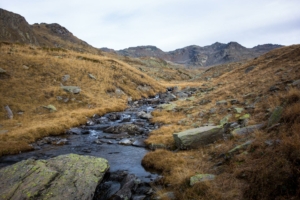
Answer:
(28, 90)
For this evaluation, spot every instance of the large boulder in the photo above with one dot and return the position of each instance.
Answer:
(194, 138)
(68, 176)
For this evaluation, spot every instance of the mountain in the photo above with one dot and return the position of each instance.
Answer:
(196, 56)
(15, 29)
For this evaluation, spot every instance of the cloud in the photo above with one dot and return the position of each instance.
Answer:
(168, 24)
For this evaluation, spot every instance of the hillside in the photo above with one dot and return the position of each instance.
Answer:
(196, 56)
(32, 81)
(255, 105)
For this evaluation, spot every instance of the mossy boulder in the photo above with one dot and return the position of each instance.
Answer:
(197, 137)
(68, 176)
(201, 178)
(275, 116)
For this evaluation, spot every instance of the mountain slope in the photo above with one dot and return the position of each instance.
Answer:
(196, 56)
(15, 29)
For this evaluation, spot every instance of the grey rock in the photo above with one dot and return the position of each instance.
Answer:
(144, 115)
(194, 138)
(64, 177)
(204, 101)
(240, 147)
(71, 89)
(296, 83)
(2, 71)
(223, 102)
(50, 107)
(139, 143)
(275, 116)
(247, 130)
(201, 178)
(249, 69)
(181, 95)
(25, 67)
(65, 78)
(125, 141)
(10, 114)
(274, 88)
(92, 76)
(131, 129)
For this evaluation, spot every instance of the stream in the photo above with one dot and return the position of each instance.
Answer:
(117, 137)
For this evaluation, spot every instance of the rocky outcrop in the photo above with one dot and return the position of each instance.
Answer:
(194, 138)
(64, 177)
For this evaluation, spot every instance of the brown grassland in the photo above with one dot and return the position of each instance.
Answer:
(33, 78)
(269, 168)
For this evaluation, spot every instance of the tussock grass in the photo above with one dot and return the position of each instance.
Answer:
(34, 80)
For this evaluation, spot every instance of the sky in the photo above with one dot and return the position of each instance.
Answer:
(167, 24)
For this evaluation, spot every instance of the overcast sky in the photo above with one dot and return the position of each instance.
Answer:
(168, 24)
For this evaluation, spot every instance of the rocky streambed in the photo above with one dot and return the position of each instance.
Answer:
(117, 137)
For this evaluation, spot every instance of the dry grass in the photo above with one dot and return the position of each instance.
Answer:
(28, 90)
(266, 169)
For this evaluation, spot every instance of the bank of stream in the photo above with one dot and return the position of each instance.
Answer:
(118, 137)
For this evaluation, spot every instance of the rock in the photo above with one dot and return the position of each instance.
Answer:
(75, 131)
(223, 102)
(275, 116)
(59, 98)
(212, 110)
(204, 101)
(225, 119)
(92, 76)
(249, 96)
(247, 130)
(125, 141)
(245, 116)
(239, 147)
(71, 89)
(139, 143)
(234, 101)
(2, 71)
(167, 107)
(65, 78)
(114, 116)
(144, 115)
(194, 138)
(296, 83)
(274, 88)
(98, 127)
(238, 110)
(126, 186)
(119, 92)
(68, 176)
(181, 95)
(249, 69)
(50, 107)
(190, 99)
(10, 114)
(131, 129)
(25, 67)
(201, 178)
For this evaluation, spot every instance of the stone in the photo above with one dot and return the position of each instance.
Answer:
(181, 95)
(10, 114)
(212, 110)
(275, 116)
(2, 71)
(131, 129)
(245, 116)
(225, 119)
(223, 102)
(75, 131)
(154, 146)
(234, 101)
(239, 147)
(144, 115)
(296, 83)
(139, 143)
(125, 141)
(3, 131)
(126, 187)
(92, 76)
(238, 110)
(25, 67)
(201, 178)
(190, 99)
(204, 101)
(167, 107)
(50, 107)
(68, 176)
(249, 69)
(119, 92)
(247, 130)
(194, 138)
(144, 88)
(65, 78)
(71, 89)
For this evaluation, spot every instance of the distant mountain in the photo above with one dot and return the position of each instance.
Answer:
(196, 56)
(15, 29)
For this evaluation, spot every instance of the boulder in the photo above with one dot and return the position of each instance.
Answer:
(275, 116)
(71, 89)
(131, 129)
(197, 137)
(201, 178)
(68, 176)
(247, 130)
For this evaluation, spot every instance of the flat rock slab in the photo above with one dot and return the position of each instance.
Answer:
(197, 137)
(64, 177)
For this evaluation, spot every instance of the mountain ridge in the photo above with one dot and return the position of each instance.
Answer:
(197, 56)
